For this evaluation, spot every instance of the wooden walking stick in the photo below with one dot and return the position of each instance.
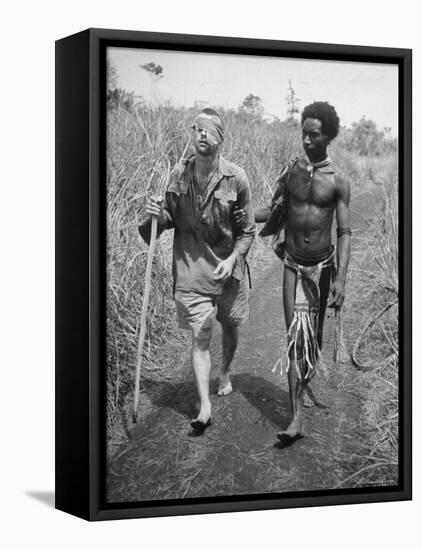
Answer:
(145, 302)
(144, 312)
(185, 149)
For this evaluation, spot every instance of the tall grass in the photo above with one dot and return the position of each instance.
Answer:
(140, 143)
(373, 287)
(362, 172)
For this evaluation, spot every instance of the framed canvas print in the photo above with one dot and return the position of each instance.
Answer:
(233, 274)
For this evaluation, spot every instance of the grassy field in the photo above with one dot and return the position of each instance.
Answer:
(374, 291)
(142, 143)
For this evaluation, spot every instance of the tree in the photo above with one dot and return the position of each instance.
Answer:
(252, 105)
(112, 76)
(292, 102)
(366, 138)
(155, 70)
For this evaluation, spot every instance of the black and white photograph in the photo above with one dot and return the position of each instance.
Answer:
(252, 275)
(144, 144)
(210, 238)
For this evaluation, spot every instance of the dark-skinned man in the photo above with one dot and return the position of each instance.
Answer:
(308, 194)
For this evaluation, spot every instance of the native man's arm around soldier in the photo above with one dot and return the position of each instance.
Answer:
(244, 230)
(277, 206)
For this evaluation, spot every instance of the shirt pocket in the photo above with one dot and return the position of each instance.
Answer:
(178, 187)
(226, 198)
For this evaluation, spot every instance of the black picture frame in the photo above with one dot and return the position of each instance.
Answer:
(80, 273)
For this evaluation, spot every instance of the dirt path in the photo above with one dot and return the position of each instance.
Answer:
(240, 453)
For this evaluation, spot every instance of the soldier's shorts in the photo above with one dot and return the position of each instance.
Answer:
(196, 311)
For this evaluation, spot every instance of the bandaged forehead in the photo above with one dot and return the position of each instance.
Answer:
(213, 127)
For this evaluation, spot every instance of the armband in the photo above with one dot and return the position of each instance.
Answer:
(343, 231)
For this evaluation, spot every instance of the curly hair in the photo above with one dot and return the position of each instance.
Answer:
(324, 112)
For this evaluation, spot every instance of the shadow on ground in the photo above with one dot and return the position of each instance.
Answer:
(45, 497)
(267, 398)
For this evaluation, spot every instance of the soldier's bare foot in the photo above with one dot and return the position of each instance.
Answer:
(200, 425)
(294, 431)
(203, 420)
(224, 385)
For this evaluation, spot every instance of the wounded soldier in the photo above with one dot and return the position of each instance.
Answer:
(209, 251)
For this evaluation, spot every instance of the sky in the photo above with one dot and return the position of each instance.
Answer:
(355, 89)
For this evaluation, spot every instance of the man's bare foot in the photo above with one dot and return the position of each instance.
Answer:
(224, 385)
(204, 412)
(203, 420)
(294, 431)
(200, 425)
(307, 400)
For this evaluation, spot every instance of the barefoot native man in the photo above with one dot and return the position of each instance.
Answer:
(209, 250)
(308, 192)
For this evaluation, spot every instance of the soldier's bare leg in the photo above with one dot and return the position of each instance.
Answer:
(201, 363)
(230, 337)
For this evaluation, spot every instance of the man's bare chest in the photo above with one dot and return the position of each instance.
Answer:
(318, 190)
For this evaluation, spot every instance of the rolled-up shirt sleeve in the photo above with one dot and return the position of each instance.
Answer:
(246, 234)
(165, 221)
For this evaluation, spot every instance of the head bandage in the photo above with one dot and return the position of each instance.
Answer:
(212, 125)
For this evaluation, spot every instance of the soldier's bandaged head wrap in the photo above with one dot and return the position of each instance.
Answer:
(212, 125)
